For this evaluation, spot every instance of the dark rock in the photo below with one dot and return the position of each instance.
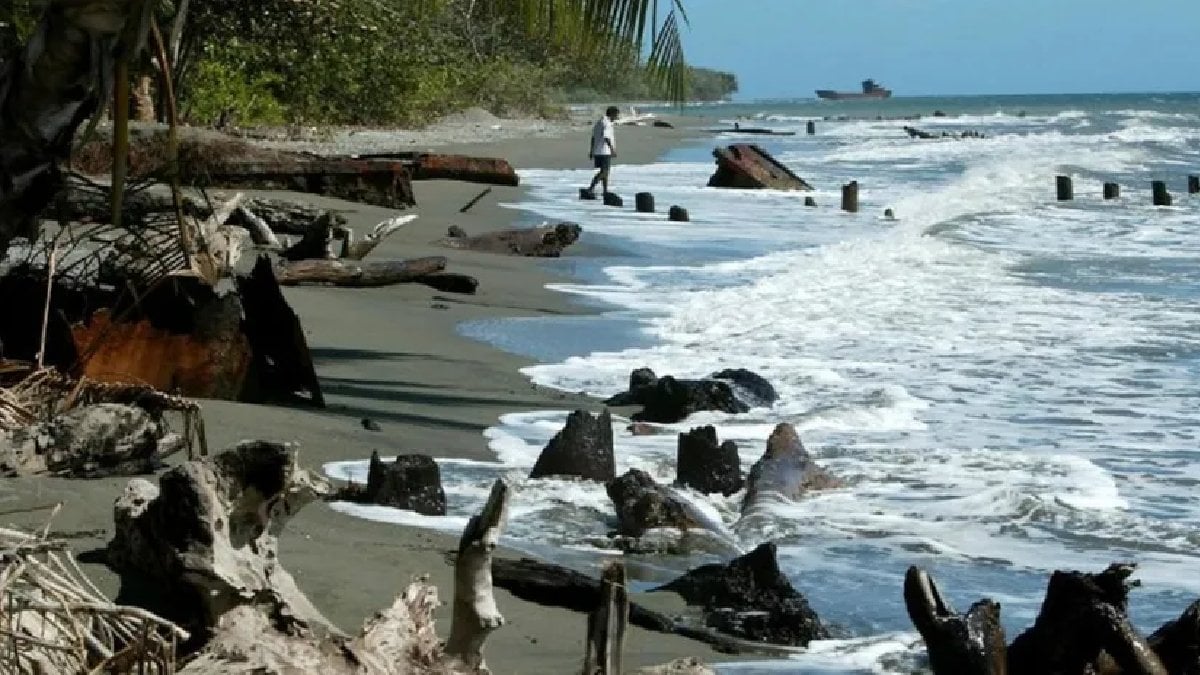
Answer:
(678, 214)
(751, 599)
(671, 400)
(668, 400)
(643, 504)
(370, 424)
(613, 199)
(706, 467)
(584, 448)
(748, 166)
(1177, 642)
(786, 469)
(663, 124)
(749, 385)
(412, 482)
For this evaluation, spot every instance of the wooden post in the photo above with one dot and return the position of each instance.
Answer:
(1066, 191)
(1159, 194)
(644, 202)
(475, 613)
(1112, 191)
(809, 201)
(606, 624)
(850, 197)
(1193, 184)
(812, 128)
(889, 214)
(613, 199)
(678, 214)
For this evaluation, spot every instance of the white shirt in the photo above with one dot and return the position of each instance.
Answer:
(601, 132)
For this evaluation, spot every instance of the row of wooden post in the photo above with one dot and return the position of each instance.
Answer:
(643, 202)
(1159, 196)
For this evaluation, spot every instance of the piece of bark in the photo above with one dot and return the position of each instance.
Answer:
(282, 360)
(475, 613)
(450, 282)
(607, 623)
(357, 274)
(315, 244)
(357, 250)
(957, 644)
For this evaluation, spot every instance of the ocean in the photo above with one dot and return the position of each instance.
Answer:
(1007, 383)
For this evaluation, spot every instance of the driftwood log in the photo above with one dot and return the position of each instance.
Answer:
(546, 241)
(1083, 628)
(357, 274)
(475, 613)
(316, 244)
(357, 250)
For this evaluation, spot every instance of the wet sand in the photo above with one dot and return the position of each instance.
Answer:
(392, 354)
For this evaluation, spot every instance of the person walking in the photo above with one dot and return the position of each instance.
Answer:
(603, 147)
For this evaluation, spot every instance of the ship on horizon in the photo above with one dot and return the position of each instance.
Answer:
(870, 89)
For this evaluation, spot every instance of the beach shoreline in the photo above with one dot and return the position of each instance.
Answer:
(395, 355)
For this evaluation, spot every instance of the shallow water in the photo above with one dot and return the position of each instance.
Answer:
(1006, 382)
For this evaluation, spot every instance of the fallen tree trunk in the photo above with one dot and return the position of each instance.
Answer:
(450, 282)
(357, 274)
(441, 166)
(46, 92)
(377, 182)
(546, 241)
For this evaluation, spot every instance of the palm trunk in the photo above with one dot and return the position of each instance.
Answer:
(46, 92)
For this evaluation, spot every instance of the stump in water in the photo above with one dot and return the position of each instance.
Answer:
(644, 202)
(678, 214)
(1063, 188)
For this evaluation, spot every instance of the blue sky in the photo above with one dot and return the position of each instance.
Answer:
(788, 48)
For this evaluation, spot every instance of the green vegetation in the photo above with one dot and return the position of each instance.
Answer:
(404, 62)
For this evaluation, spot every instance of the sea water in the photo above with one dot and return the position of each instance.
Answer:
(1007, 383)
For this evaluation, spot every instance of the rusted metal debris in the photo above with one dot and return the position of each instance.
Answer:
(747, 166)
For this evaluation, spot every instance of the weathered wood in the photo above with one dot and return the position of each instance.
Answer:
(285, 217)
(378, 182)
(357, 250)
(282, 360)
(547, 241)
(1159, 195)
(211, 361)
(467, 207)
(475, 615)
(357, 274)
(958, 644)
(316, 243)
(811, 128)
(678, 214)
(1193, 185)
(1177, 642)
(444, 166)
(748, 166)
(1063, 188)
(260, 232)
(606, 625)
(850, 197)
(1112, 191)
(644, 202)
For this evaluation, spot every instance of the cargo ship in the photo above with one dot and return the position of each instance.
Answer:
(870, 89)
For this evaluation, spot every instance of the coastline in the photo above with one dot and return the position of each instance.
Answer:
(394, 355)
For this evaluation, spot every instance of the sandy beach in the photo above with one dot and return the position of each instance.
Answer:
(392, 355)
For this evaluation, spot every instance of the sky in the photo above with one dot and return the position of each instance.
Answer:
(788, 48)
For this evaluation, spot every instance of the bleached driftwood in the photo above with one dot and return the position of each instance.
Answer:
(475, 612)
(357, 250)
(606, 625)
(316, 244)
(260, 231)
(357, 274)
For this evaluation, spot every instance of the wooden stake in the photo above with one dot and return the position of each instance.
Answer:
(607, 624)
(850, 197)
(1064, 188)
(50, 269)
